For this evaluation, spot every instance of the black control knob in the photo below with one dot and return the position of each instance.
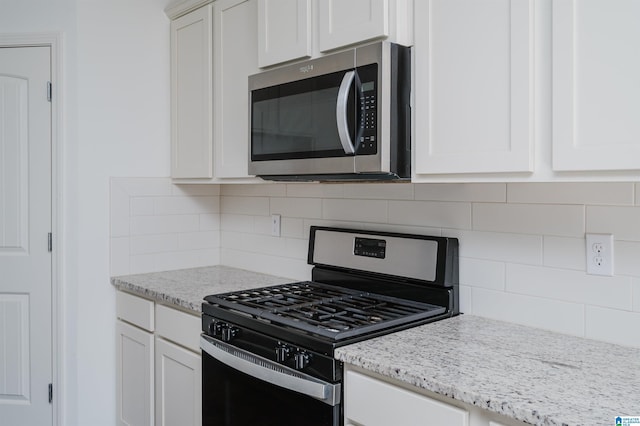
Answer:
(228, 333)
(283, 352)
(215, 328)
(301, 360)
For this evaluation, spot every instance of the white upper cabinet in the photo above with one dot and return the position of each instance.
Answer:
(473, 86)
(191, 95)
(342, 23)
(235, 58)
(296, 29)
(596, 85)
(284, 27)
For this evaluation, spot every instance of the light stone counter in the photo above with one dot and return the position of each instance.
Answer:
(531, 375)
(186, 288)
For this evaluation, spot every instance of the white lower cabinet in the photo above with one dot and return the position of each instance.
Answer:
(159, 373)
(134, 380)
(178, 385)
(371, 400)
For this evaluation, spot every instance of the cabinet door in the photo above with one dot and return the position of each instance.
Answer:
(371, 402)
(235, 58)
(284, 28)
(342, 23)
(191, 95)
(473, 86)
(178, 385)
(134, 382)
(596, 89)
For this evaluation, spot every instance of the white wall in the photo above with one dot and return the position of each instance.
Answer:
(116, 122)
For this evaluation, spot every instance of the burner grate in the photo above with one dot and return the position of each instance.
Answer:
(329, 311)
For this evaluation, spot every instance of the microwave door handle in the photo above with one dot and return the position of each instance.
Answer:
(341, 112)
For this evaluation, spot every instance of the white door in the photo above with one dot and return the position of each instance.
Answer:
(25, 222)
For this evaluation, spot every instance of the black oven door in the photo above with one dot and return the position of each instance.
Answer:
(241, 389)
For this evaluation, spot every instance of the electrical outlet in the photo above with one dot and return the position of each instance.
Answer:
(275, 225)
(599, 254)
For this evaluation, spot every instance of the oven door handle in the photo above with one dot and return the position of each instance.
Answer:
(271, 372)
(341, 112)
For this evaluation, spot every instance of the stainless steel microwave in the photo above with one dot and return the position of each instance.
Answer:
(344, 116)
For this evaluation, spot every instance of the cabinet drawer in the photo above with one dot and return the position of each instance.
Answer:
(135, 310)
(179, 327)
(371, 402)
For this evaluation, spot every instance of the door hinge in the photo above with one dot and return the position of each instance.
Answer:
(50, 393)
(50, 242)
(49, 91)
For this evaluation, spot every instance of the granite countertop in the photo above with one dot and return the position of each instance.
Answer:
(187, 287)
(531, 375)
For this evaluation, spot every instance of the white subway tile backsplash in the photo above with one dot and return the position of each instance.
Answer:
(120, 226)
(516, 248)
(119, 256)
(466, 305)
(186, 205)
(571, 193)
(555, 315)
(622, 222)
(237, 223)
(314, 190)
(142, 206)
(210, 221)
(611, 325)
(379, 191)
(564, 252)
(355, 210)
(256, 206)
(482, 273)
(199, 240)
(294, 269)
(529, 219)
(185, 259)
(142, 264)
(472, 192)
(431, 213)
(119, 200)
(255, 190)
(292, 227)
(626, 256)
(142, 225)
(522, 253)
(155, 243)
(310, 208)
(570, 286)
(262, 225)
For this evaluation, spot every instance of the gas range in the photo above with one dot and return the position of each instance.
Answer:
(363, 284)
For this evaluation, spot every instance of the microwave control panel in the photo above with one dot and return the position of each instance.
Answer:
(368, 128)
(367, 134)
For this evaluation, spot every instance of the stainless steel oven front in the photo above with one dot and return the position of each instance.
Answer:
(241, 388)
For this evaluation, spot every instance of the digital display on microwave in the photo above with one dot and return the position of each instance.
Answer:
(368, 86)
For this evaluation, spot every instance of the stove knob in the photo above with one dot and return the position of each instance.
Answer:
(228, 333)
(301, 360)
(283, 352)
(215, 328)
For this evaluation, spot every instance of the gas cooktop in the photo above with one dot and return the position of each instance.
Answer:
(330, 311)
